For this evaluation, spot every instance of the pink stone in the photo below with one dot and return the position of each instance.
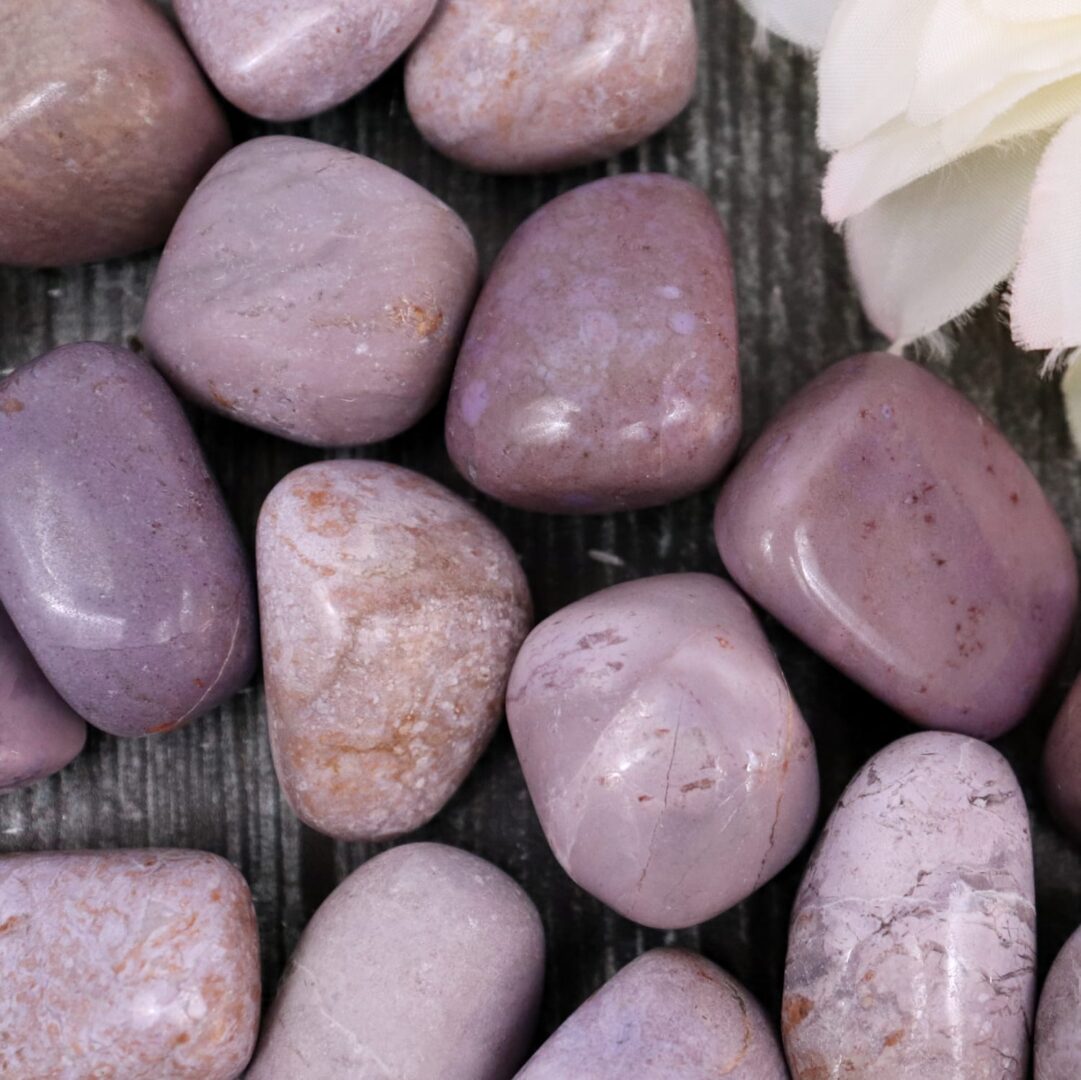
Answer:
(669, 1015)
(531, 85)
(425, 964)
(1058, 1022)
(139, 965)
(290, 59)
(1062, 765)
(107, 126)
(391, 614)
(669, 766)
(313, 293)
(885, 521)
(600, 370)
(912, 952)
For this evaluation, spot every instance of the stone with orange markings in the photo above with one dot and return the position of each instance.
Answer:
(133, 964)
(392, 611)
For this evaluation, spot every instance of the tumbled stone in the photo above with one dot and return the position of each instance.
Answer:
(669, 1015)
(601, 371)
(313, 293)
(1062, 765)
(122, 570)
(107, 126)
(391, 614)
(132, 964)
(425, 964)
(532, 85)
(885, 521)
(668, 764)
(290, 59)
(1058, 1021)
(39, 734)
(912, 951)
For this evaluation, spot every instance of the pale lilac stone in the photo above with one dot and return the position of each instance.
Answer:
(669, 766)
(1058, 1021)
(913, 944)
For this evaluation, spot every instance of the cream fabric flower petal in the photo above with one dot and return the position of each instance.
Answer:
(803, 22)
(1030, 10)
(930, 252)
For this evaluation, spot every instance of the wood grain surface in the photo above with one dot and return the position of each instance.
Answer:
(749, 140)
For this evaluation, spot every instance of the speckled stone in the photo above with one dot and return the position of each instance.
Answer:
(1062, 766)
(427, 963)
(1058, 1021)
(886, 521)
(290, 59)
(106, 125)
(392, 612)
(313, 293)
(669, 1015)
(668, 764)
(912, 953)
(39, 734)
(140, 965)
(600, 370)
(532, 85)
(122, 569)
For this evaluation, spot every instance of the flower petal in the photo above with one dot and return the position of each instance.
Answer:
(1071, 391)
(930, 252)
(1031, 10)
(803, 22)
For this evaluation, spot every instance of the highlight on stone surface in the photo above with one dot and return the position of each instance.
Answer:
(669, 1015)
(669, 766)
(122, 570)
(132, 964)
(600, 370)
(391, 615)
(517, 86)
(107, 126)
(913, 944)
(313, 293)
(39, 734)
(886, 521)
(1058, 1020)
(427, 963)
(1062, 765)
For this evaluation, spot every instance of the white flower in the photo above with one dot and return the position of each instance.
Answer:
(955, 133)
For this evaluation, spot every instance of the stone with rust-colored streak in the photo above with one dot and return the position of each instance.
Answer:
(141, 965)
(392, 611)
(515, 86)
(1062, 765)
(669, 1015)
(313, 293)
(669, 766)
(106, 125)
(912, 951)
(427, 963)
(1058, 1020)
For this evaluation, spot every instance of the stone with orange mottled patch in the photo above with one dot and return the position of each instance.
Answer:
(392, 612)
(313, 293)
(672, 774)
(135, 964)
(533, 85)
(669, 1015)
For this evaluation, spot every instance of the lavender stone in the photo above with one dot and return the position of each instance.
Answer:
(122, 570)
(1062, 765)
(1058, 1022)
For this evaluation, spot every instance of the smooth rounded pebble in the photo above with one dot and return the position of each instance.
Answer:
(669, 766)
(912, 952)
(886, 521)
(600, 370)
(1062, 766)
(425, 964)
(391, 614)
(517, 86)
(39, 734)
(122, 570)
(140, 965)
(290, 59)
(669, 1015)
(1058, 1021)
(313, 293)
(106, 124)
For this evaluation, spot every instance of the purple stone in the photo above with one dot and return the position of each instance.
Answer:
(669, 1015)
(600, 370)
(883, 519)
(669, 766)
(1062, 765)
(1058, 1021)
(912, 952)
(122, 570)
(39, 734)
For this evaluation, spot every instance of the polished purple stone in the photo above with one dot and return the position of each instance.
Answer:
(1058, 1021)
(1062, 765)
